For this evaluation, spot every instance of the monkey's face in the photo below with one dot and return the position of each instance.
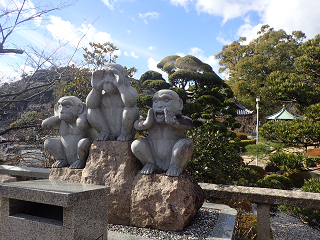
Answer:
(68, 111)
(165, 99)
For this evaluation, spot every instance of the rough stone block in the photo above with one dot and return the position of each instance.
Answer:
(111, 163)
(163, 202)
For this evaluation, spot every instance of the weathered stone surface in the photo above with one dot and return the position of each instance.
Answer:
(163, 202)
(111, 163)
(66, 174)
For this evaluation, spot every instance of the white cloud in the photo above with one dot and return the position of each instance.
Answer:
(152, 64)
(133, 55)
(67, 32)
(150, 15)
(183, 3)
(152, 48)
(128, 31)
(289, 15)
(222, 40)
(180, 54)
(108, 4)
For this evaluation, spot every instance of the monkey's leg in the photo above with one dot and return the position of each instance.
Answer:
(129, 116)
(141, 148)
(97, 120)
(83, 152)
(181, 153)
(55, 148)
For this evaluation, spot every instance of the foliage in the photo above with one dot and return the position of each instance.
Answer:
(97, 57)
(301, 85)
(260, 150)
(298, 178)
(183, 70)
(243, 143)
(80, 84)
(144, 103)
(294, 132)
(261, 172)
(30, 118)
(249, 66)
(214, 159)
(150, 75)
(275, 181)
(156, 85)
(287, 161)
(311, 216)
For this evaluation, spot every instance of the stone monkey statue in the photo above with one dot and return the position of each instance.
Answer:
(166, 146)
(72, 148)
(111, 104)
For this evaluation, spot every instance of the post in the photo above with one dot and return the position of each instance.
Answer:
(263, 221)
(257, 127)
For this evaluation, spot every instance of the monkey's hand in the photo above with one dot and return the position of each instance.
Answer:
(145, 124)
(170, 116)
(97, 78)
(119, 77)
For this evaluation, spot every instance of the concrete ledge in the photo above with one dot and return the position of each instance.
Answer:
(262, 195)
(25, 171)
(224, 227)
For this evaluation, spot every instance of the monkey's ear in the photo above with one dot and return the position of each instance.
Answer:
(81, 108)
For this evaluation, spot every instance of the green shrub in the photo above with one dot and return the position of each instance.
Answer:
(247, 177)
(275, 181)
(261, 172)
(311, 216)
(287, 161)
(298, 178)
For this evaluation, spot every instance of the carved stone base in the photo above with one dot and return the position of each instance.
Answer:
(111, 163)
(165, 203)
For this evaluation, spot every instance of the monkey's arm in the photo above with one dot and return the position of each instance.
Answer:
(129, 95)
(51, 123)
(177, 120)
(94, 98)
(143, 124)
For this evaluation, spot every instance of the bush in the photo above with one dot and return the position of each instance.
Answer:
(311, 216)
(261, 172)
(287, 161)
(242, 136)
(214, 159)
(275, 181)
(298, 177)
(247, 177)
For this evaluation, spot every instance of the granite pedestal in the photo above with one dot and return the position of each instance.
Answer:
(48, 209)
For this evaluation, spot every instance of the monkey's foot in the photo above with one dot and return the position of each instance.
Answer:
(148, 168)
(60, 164)
(78, 164)
(125, 137)
(103, 136)
(174, 171)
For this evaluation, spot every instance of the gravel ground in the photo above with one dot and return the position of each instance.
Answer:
(286, 227)
(199, 228)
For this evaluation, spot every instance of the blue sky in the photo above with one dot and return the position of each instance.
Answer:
(147, 31)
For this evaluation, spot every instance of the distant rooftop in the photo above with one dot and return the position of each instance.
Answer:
(242, 110)
(283, 114)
